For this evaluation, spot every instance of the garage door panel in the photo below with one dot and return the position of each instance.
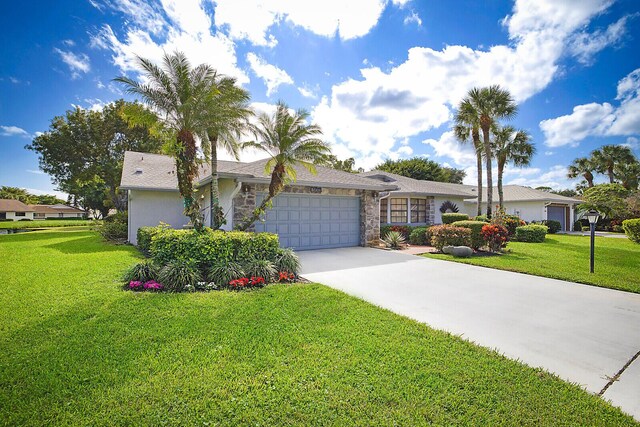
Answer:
(313, 221)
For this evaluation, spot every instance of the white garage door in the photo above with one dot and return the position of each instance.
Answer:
(306, 221)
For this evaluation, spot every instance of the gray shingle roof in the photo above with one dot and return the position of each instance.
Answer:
(433, 188)
(158, 172)
(12, 205)
(519, 193)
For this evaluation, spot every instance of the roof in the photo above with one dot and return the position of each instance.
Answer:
(519, 193)
(12, 205)
(417, 186)
(158, 172)
(59, 208)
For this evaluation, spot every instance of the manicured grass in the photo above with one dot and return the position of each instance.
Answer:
(16, 225)
(566, 257)
(77, 350)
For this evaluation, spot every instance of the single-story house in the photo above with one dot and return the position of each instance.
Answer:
(418, 202)
(327, 210)
(56, 211)
(15, 210)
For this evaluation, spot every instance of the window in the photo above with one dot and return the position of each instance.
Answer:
(384, 203)
(38, 215)
(20, 214)
(418, 210)
(399, 210)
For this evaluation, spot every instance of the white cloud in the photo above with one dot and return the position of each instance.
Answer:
(448, 146)
(351, 19)
(36, 171)
(585, 45)
(99, 84)
(633, 143)
(140, 13)
(309, 92)
(272, 75)
(38, 133)
(69, 42)
(549, 153)
(413, 18)
(13, 131)
(371, 114)
(555, 177)
(77, 63)
(39, 192)
(596, 119)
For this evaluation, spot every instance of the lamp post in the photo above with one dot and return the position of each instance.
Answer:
(593, 216)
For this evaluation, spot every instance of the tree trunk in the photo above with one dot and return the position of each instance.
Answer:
(487, 152)
(275, 187)
(611, 176)
(216, 216)
(588, 176)
(478, 147)
(187, 170)
(500, 193)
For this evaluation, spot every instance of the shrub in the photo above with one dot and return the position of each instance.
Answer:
(554, 226)
(631, 228)
(477, 241)
(113, 231)
(482, 218)
(180, 276)
(405, 230)
(495, 236)
(150, 285)
(450, 218)
(213, 247)
(287, 261)
(25, 219)
(532, 233)
(510, 222)
(394, 240)
(144, 236)
(261, 268)
(223, 273)
(577, 226)
(143, 271)
(449, 235)
(418, 236)
(586, 228)
(117, 217)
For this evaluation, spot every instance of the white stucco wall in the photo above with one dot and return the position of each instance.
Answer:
(148, 208)
(528, 211)
(12, 216)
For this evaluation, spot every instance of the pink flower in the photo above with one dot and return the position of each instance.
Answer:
(152, 284)
(135, 284)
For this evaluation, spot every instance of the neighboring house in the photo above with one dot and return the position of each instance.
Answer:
(327, 210)
(56, 211)
(14, 210)
(416, 202)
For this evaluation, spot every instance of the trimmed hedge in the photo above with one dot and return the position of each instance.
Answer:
(419, 236)
(210, 247)
(477, 240)
(144, 235)
(631, 228)
(482, 218)
(449, 235)
(450, 218)
(532, 233)
(554, 226)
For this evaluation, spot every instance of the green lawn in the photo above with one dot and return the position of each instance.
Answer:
(617, 261)
(76, 350)
(16, 225)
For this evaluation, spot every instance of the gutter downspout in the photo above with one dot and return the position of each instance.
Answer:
(380, 197)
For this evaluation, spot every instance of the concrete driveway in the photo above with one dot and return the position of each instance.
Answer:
(584, 334)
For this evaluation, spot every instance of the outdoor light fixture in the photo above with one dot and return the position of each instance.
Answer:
(593, 216)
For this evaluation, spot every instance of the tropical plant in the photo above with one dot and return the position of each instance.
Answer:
(511, 146)
(394, 240)
(631, 228)
(229, 118)
(495, 237)
(289, 141)
(606, 158)
(608, 199)
(422, 169)
(448, 207)
(419, 236)
(261, 268)
(628, 174)
(584, 167)
(222, 273)
(143, 271)
(287, 261)
(468, 125)
(488, 105)
(449, 235)
(180, 276)
(182, 96)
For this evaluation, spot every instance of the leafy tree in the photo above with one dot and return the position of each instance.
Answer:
(16, 193)
(182, 96)
(628, 174)
(347, 165)
(584, 167)
(511, 146)
(422, 169)
(567, 192)
(608, 157)
(545, 188)
(608, 199)
(84, 144)
(229, 118)
(490, 104)
(289, 141)
(47, 199)
(468, 126)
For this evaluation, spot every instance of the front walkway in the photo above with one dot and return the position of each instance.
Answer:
(584, 334)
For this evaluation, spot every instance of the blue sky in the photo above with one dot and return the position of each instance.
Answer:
(381, 77)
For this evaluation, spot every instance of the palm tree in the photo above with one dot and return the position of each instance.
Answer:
(467, 124)
(607, 157)
(628, 174)
(514, 147)
(584, 167)
(230, 113)
(490, 104)
(289, 141)
(181, 96)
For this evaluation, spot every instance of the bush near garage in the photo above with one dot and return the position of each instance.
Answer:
(419, 236)
(554, 226)
(405, 230)
(477, 240)
(449, 235)
(450, 218)
(532, 233)
(631, 228)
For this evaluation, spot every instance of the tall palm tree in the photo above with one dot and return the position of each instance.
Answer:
(230, 113)
(490, 104)
(511, 146)
(628, 174)
(584, 167)
(467, 124)
(607, 157)
(289, 141)
(181, 96)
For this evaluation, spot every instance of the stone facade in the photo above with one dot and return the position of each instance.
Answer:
(244, 204)
(431, 210)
